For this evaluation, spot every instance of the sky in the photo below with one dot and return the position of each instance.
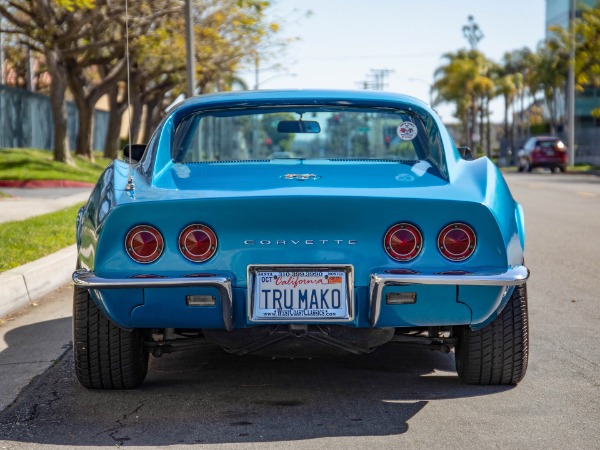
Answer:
(343, 40)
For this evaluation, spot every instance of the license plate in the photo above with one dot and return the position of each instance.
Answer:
(289, 295)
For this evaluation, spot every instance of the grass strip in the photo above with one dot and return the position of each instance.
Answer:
(579, 168)
(583, 168)
(26, 240)
(34, 164)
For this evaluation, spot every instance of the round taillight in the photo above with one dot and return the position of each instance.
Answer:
(403, 242)
(144, 244)
(457, 241)
(198, 243)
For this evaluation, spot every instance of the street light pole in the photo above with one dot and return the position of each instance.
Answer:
(571, 88)
(472, 33)
(189, 47)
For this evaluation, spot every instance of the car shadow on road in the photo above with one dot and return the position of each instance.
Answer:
(210, 397)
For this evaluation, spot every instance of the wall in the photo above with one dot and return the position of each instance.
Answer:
(26, 121)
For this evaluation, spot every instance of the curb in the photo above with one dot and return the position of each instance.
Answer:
(24, 284)
(589, 172)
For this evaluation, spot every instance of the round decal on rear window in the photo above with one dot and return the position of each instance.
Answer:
(407, 131)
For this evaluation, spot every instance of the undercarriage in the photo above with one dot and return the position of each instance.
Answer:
(299, 340)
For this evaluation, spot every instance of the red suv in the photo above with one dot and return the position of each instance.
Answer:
(543, 151)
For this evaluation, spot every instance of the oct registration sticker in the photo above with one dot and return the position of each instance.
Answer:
(300, 295)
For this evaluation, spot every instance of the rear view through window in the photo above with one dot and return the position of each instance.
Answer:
(307, 134)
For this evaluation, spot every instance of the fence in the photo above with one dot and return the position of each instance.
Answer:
(587, 145)
(26, 121)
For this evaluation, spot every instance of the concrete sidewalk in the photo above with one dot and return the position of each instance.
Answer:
(25, 284)
(26, 203)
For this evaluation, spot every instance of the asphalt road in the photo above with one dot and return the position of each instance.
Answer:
(392, 398)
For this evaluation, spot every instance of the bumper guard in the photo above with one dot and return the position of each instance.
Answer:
(512, 277)
(88, 280)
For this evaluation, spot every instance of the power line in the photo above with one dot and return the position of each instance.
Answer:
(376, 80)
(351, 57)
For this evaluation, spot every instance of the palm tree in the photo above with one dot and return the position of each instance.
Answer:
(521, 64)
(506, 86)
(550, 74)
(464, 80)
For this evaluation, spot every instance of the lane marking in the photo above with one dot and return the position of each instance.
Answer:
(587, 194)
(535, 185)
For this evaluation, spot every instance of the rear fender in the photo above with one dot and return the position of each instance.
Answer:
(92, 216)
(481, 176)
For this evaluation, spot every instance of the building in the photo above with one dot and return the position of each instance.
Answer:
(587, 127)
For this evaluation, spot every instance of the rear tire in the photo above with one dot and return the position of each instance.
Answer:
(498, 353)
(106, 356)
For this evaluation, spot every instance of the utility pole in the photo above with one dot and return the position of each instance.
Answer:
(376, 79)
(2, 80)
(571, 87)
(189, 47)
(29, 69)
(256, 71)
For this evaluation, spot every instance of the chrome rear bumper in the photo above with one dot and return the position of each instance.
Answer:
(512, 277)
(88, 280)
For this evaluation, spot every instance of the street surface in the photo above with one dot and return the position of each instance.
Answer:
(393, 398)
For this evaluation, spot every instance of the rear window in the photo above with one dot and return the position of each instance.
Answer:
(327, 133)
(551, 144)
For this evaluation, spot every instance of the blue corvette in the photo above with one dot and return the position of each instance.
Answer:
(300, 223)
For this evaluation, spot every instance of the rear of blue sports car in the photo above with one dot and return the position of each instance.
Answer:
(346, 219)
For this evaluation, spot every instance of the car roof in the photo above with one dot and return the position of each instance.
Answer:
(293, 95)
(547, 138)
(304, 97)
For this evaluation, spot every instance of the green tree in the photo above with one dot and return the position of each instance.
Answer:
(464, 80)
(83, 45)
(274, 139)
(156, 65)
(227, 34)
(506, 87)
(554, 64)
(15, 65)
(521, 65)
(550, 76)
(99, 70)
(54, 29)
(587, 49)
